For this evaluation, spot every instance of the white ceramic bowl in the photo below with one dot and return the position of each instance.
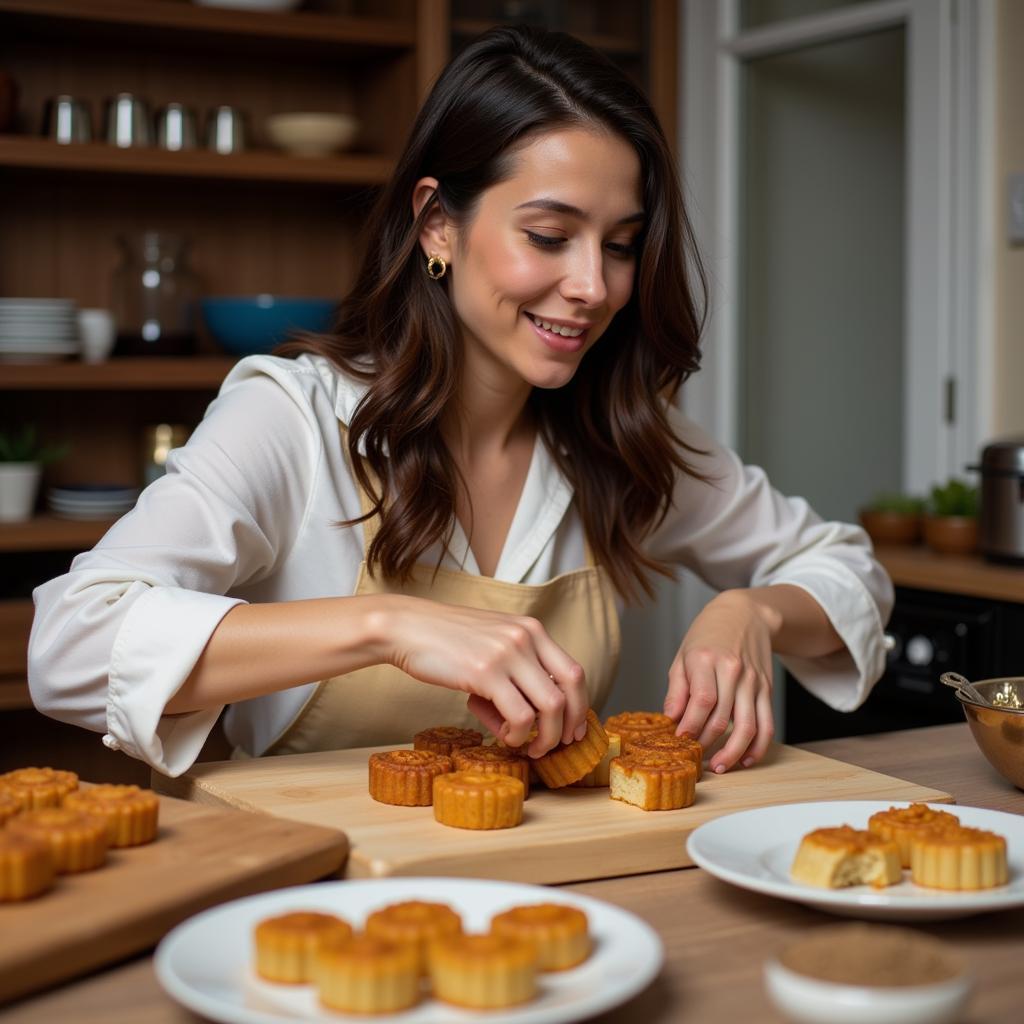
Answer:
(311, 134)
(810, 1001)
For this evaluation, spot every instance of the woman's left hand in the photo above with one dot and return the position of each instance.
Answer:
(723, 672)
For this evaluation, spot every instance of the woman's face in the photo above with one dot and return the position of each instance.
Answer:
(548, 258)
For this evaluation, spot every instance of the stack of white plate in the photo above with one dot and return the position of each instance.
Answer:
(37, 330)
(91, 501)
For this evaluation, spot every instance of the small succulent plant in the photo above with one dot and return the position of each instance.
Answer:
(23, 446)
(894, 501)
(954, 498)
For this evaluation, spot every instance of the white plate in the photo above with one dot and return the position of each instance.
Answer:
(205, 963)
(754, 850)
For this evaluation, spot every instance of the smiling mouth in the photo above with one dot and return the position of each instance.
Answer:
(560, 329)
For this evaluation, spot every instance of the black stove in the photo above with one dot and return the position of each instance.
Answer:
(930, 633)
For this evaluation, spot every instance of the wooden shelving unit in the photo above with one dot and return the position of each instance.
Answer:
(48, 533)
(154, 374)
(14, 694)
(628, 46)
(98, 158)
(360, 36)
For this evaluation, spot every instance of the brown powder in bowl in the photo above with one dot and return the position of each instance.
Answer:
(875, 955)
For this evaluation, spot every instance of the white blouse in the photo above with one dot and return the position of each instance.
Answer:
(246, 513)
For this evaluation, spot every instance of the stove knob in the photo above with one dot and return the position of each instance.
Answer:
(920, 650)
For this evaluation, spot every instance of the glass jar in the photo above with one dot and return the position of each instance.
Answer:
(156, 295)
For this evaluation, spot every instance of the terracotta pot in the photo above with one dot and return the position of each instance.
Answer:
(885, 527)
(951, 535)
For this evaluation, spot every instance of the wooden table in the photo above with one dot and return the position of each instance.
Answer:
(716, 936)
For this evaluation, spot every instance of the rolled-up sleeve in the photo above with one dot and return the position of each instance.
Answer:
(115, 637)
(735, 530)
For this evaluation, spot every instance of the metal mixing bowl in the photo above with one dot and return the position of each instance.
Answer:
(999, 731)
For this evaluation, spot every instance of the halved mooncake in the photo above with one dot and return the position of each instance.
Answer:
(833, 858)
(653, 780)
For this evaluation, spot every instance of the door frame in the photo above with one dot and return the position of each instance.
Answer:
(949, 319)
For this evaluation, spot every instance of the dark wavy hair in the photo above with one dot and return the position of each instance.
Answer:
(396, 330)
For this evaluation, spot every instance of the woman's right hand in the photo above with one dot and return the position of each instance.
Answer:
(515, 674)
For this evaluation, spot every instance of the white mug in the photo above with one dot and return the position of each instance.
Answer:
(96, 334)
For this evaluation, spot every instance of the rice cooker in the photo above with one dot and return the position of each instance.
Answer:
(1001, 516)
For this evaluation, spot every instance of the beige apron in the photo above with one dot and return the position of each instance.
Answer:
(381, 705)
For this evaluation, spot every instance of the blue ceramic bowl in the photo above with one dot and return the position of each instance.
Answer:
(254, 324)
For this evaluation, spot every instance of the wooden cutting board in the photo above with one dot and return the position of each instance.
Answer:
(567, 835)
(201, 857)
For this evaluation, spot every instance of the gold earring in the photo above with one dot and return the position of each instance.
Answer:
(436, 267)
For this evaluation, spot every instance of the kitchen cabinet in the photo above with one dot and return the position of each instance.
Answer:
(259, 220)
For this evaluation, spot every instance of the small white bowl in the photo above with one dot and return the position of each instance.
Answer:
(311, 134)
(810, 1001)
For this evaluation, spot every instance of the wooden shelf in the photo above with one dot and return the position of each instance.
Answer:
(362, 37)
(620, 46)
(924, 569)
(48, 533)
(14, 694)
(153, 374)
(15, 623)
(31, 153)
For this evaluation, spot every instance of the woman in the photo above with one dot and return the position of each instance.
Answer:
(456, 491)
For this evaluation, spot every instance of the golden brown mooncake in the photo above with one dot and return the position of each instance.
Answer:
(42, 787)
(653, 780)
(287, 945)
(635, 725)
(499, 760)
(559, 933)
(78, 841)
(26, 866)
(598, 776)
(569, 762)
(406, 777)
(368, 975)
(446, 739)
(670, 743)
(478, 800)
(833, 858)
(131, 813)
(416, 922)
(483, 972)
(958, 858)
(12, 802)
(904, 824)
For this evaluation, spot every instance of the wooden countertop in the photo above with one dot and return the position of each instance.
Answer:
(716, 936)
(920, 567)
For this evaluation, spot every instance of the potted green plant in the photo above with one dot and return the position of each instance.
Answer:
(893, 518)
(22, 458)
(951, 518)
